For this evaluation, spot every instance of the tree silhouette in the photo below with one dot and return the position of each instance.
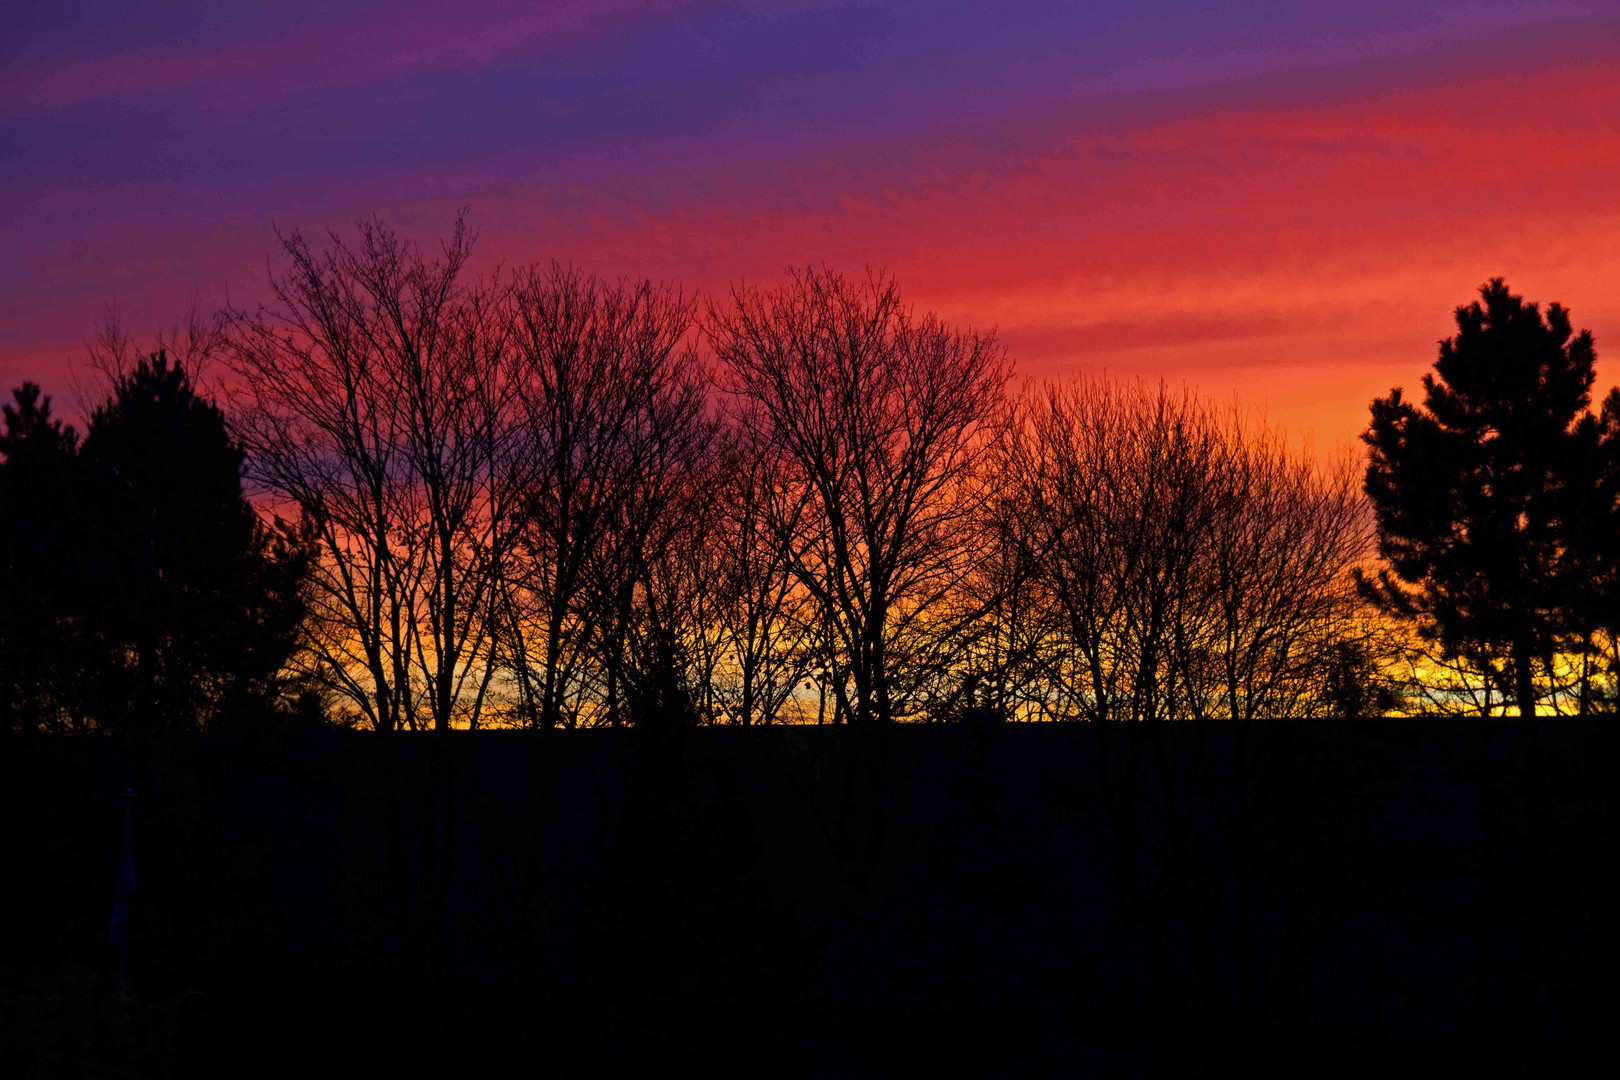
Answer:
(881, 423)
(373, 394)
(197, 601)
(1474, 489)
(1185, 562)
(36, 584)
(1592, 525)
(613, 428)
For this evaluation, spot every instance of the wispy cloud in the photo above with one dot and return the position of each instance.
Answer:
(1284, 204)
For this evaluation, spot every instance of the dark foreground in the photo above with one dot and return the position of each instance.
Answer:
(999, 900)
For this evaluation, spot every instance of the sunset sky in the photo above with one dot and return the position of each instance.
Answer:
(1281, 201)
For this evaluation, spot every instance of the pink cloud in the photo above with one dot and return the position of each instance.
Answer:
(1300, 249)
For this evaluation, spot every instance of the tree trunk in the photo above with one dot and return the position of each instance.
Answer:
(1524, 687)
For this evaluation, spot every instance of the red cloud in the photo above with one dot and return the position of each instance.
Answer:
(1304, 252)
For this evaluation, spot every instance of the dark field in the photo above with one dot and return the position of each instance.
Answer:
(948, 900)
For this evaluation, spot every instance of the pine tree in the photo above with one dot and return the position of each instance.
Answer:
(198, 601)
(1592, 514)
(37, 553)
(1477, 489)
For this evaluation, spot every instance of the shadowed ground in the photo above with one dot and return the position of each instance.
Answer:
(953, 900)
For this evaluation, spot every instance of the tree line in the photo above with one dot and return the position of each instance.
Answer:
(419, 498)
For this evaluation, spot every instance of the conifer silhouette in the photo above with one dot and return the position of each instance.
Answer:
(1474, 488)
(197, 602)
(37, 533)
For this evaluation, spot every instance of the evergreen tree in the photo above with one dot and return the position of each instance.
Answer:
(1593, 517)
(1478, 490)
(37, 586)
(197, 602)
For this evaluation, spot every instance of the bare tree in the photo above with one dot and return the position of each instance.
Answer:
(1001, 672)
(1112, 481)
(882, 422)
(651, 585)
(1280, 593)
(1193, 565)
(613, 406)
(375, 395)
(761, 611)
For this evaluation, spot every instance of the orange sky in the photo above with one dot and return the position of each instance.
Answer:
(1303, 256)
(1294, 232)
